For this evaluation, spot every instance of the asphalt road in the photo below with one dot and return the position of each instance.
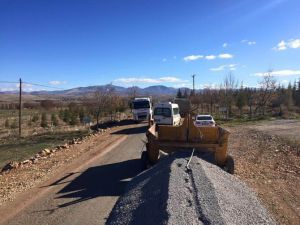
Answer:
(87, 196)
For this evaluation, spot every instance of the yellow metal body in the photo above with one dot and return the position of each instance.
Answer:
(169, 138)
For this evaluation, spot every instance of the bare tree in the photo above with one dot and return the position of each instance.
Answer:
(228, 87)
(249, 94)
(133, 92)
(240, 99)
(99, 103)
(267, 89)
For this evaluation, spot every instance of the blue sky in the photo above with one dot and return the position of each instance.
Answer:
(141, 42)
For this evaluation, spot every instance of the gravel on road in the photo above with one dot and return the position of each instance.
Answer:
(168, 193)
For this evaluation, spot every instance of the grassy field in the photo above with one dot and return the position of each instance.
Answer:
(15, 149)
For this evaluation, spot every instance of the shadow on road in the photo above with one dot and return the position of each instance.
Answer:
(134, 130)
(104, 180)
(109, 124)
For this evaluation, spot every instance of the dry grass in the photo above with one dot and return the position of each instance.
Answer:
(14, 149)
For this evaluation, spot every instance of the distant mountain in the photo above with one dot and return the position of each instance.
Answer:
(151, 90)
(81, 90)
(160, 90)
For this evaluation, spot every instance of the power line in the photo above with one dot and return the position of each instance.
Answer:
(42, 85)
(35, 84)
(9, 82)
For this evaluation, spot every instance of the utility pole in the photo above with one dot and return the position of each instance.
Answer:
(20, 109)
(193, 83)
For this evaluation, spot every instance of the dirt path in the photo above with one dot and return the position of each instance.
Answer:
(85, 190)
(270, 165)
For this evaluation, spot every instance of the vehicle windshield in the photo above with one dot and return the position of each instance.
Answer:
(141, 105)
(166, 112)
(204, 118)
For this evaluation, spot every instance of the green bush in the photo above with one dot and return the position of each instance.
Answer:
(61, 114)
(73, 119)
(66, 116)
(35, 118)
(54, 120)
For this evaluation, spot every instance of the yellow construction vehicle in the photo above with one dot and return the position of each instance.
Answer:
(168, 139)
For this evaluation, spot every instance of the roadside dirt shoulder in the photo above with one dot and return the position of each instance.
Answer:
(19, 180)
(271, 166)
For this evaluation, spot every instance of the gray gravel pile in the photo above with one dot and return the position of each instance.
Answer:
(168, 193)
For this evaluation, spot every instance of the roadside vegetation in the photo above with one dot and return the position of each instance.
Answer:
(50, 122)
(19, 149)
(232, 102)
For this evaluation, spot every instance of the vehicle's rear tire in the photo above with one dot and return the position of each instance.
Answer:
(229, 165)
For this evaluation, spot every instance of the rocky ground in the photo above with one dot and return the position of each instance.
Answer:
(271, 166)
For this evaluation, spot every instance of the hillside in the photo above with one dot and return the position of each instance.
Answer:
(78, 91)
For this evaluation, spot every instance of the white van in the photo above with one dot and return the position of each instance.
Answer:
(166, 114)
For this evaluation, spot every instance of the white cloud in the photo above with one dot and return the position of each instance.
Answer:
(245, 41)
(136, 80)
(251, 42)
(223, 67)
(170, 79)
(279, 73)
(25, 87)
(164, 60)
(192, 57)
(210, 57)
(232, 66)
(57, 82)
(8, 89)
(181, 85)
(225, 45)
(220, 68)
(150, 80)
(283, 45)
(225, 56)
(294, 43)
(210, 86)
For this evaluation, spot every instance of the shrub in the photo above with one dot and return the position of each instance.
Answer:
(44, 120)
(6, 124)
(35, 118)
(67, 115)
(54, 120)
(14, 124)
(73, 119)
